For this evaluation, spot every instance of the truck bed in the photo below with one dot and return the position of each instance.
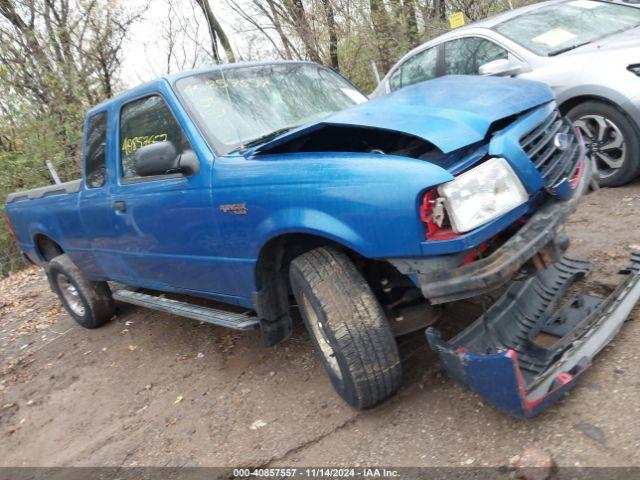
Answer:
(59, 189)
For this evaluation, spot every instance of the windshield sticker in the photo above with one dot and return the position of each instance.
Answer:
(554, 37)
(354, 95)
(589, 5)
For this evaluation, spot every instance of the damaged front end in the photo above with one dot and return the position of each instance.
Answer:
(499, 357)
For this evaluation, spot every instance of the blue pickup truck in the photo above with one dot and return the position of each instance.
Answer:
(272, 186)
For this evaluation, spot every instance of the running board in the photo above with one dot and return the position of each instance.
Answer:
(223, 318)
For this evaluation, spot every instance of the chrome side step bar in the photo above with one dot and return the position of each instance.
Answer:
(223, 318)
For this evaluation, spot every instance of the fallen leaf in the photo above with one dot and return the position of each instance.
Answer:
(133, 347)
(258, 424)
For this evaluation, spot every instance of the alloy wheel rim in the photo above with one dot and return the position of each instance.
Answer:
(71, 295)
(326, 350)
(605, 143)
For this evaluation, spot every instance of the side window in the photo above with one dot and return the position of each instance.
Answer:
(395, 81)
(422, 66)
(96, 151)
(143, 122)
(465, 56)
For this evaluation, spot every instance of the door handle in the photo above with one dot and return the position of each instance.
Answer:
(119, 206)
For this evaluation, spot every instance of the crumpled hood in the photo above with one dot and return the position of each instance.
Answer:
(449, 112)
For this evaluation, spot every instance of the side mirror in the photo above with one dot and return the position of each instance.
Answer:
(188, 164)
(503, 68)
(161, 158)
(156, 159)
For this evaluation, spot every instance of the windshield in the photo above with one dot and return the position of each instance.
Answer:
(239, 105)
(555, 28)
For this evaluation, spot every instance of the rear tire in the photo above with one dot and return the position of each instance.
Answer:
(612, 140)
(89, 303)
(348, 327)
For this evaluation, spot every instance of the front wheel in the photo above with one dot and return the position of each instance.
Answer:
(612, 141)
(347, 326)
(89, 303)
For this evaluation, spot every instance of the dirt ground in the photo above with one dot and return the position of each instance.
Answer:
(151, 389)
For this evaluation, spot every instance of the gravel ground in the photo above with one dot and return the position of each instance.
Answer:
(151, 389)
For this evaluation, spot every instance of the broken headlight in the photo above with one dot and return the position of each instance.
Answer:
(482, 194)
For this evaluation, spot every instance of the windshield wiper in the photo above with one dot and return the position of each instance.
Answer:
(264, 138)
(566, 49)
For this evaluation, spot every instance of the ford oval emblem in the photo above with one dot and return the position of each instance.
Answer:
(562, 141)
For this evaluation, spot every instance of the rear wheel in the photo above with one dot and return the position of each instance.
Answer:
(347, 326)
(89, 303)
(612, 141)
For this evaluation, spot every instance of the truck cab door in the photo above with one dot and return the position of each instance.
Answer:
(95, 210)
(165, 234)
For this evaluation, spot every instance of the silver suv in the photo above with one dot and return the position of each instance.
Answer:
(588, 51)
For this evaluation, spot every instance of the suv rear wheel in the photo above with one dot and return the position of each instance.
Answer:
(89, 303)
(348, 327)
(612, 141)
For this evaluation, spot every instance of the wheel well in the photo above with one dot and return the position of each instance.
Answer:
(47, 248)
(567, 105)
(271, 300)
(278, 252)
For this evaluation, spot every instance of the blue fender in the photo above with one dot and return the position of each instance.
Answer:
(312, 222)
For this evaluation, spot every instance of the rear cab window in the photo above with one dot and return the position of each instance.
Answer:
(96, 150)
(143, 122)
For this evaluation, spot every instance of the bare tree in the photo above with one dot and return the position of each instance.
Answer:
(298, 19)
(60, 56)
(332, 32)
(216, 33)
(384, 38)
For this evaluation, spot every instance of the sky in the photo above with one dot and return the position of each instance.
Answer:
(144, 53)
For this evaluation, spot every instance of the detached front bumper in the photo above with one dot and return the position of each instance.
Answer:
(498, 357)
(481, 276)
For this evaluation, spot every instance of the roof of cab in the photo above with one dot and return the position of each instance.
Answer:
(171, 78)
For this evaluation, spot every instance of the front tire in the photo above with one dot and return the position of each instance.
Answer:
(89, 303)
(612, 141)
(348, 327)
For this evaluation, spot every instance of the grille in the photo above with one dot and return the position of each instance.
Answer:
(553, 163)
